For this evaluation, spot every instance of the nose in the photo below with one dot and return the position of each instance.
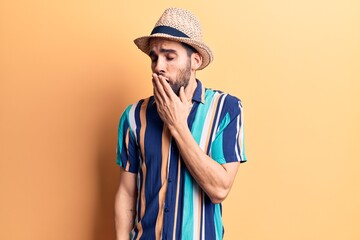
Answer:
(159, 66)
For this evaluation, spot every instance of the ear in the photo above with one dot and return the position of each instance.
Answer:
(196, 61)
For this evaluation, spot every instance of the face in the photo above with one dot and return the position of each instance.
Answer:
(170, 60)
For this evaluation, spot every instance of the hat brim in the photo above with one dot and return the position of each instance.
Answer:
(143, 44)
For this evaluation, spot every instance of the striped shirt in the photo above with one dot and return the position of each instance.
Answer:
(170, 203)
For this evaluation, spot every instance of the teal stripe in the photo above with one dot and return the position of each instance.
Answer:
(217, 152)
(244, 159)
(196, 131)
(218, 222)
(124, 117)
(188, 213)
(198, 124)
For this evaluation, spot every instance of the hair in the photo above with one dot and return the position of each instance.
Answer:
(189, 49)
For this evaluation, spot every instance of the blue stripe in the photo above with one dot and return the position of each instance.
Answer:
(169, 30)
(217, 152)
(209, 223)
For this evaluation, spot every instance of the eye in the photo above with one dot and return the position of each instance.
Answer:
(170, 57)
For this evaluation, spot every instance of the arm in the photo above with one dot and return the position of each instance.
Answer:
(125, 202)
(215, 179)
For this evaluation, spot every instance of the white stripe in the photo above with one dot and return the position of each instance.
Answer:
(196, 210)
(237, 138)
(132, 119)
(241, 134)
(203, 217)
(168, 165)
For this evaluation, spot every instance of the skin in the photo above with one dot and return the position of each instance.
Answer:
(174, 82)
(183, 74)
(125, 201)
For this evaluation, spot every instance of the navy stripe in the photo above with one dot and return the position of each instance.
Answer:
(230, 135)
(123, 153)
(210, 231)
(137, 120)
(169, 30)
(180, 203)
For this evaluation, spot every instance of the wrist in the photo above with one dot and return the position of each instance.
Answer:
(178, 129)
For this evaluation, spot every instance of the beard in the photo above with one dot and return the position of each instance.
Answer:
(182, 78)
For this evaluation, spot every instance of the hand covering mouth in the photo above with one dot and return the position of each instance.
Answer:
(166, 78)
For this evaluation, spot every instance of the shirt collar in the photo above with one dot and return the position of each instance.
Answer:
(199, 94)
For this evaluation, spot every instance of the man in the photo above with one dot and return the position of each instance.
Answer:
(180, 149)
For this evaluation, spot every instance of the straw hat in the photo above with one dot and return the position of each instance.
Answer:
(178, 25)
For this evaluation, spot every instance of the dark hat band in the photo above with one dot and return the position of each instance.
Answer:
(169, 30)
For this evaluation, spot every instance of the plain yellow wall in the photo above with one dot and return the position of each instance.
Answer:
(68, 69)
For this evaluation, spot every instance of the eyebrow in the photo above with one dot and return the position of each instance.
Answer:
(162, 50)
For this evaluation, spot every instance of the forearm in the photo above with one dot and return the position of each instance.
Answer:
(125, 206)
(124, 216)
(215, 179)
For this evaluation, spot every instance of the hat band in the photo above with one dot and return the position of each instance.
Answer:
(169, 30)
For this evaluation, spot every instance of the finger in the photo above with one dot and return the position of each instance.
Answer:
(158, 85)
(157, 96)
(166, 86)
(158, 88)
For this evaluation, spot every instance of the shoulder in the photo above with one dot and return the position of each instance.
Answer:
(227, 101)
(134, 108)
(130, 118)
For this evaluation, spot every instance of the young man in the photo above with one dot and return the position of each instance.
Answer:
(180, 149)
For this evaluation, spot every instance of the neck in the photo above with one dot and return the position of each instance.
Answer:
(190, 89)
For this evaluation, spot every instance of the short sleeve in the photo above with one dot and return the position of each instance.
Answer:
(228, 144)
(127, 153)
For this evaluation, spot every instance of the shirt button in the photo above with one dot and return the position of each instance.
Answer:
(169, 180)
(166, 209)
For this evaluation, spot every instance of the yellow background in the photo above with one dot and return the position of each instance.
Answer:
(68, 69)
